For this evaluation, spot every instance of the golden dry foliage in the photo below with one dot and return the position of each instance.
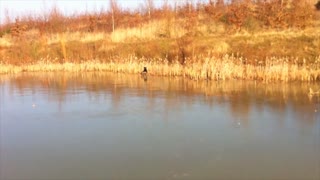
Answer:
(284, 14)
(92, 23)
(301, 14)
(18, 29)
(238, 14)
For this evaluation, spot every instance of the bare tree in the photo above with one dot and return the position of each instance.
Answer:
(150, 7)
(165, 5)
(114, 9)
(189, 3)
(220, 3)
(175, 7)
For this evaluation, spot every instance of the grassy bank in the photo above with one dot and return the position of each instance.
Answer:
(195, 41)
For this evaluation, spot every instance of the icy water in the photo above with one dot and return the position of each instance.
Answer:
(100, 126)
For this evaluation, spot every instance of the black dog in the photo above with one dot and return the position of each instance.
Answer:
(144, 73)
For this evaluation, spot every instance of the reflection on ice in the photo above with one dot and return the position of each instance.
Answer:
(241, 97)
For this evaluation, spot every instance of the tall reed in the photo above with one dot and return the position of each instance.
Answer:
(63, 46)
(208, 68)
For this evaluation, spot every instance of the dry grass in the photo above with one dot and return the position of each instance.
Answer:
(148, 31)
(226, 68)
(76, 36)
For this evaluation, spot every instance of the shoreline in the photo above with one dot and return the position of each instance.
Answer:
(225, 68)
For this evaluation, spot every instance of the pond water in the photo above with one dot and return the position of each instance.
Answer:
(78, 126)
